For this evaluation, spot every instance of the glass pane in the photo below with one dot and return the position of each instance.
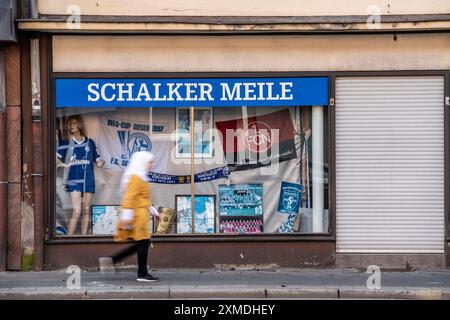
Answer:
(93, 149)
(203, 221)
(257, 170)
(261, 175)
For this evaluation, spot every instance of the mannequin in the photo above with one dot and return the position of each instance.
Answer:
(79, 153)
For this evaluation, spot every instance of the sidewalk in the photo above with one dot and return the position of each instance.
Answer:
(213, 284)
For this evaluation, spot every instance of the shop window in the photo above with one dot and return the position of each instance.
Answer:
(253, 168)
(270, 178)
(218, 170)
(93, 148)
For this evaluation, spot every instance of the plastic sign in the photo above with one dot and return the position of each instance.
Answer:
(206, 92)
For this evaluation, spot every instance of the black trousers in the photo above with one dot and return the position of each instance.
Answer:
(141, 247)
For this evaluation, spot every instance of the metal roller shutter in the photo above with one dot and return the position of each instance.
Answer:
(390, 164)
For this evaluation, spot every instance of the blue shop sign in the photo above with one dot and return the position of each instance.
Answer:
(199, 92)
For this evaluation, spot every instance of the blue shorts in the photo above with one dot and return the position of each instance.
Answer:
(80, 188)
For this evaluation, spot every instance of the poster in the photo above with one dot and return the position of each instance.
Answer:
(241, 200)
(104, 219)
(205, 176)
(203, 125)
(205, 207)
(290, 197)
(241, 226)
(258, 141)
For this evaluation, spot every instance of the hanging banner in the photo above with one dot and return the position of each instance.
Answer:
(253, 144)
(182, 92)
(118, 138)
(213, 174)
(290, 197)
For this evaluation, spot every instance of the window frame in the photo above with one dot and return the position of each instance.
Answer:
(51, 218)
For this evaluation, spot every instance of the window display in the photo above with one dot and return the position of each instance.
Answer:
(269, 155)
(256, 168)
(289, 203)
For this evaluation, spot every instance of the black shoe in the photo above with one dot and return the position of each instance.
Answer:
(147, 278)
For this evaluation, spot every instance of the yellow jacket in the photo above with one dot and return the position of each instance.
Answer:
(137, 197)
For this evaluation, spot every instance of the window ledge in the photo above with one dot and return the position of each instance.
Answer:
(202, 238)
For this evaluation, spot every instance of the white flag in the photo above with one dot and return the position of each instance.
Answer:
(118, 137)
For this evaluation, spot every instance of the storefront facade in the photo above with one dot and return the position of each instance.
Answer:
(310, 149)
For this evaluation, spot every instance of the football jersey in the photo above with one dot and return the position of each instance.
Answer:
(81, 155)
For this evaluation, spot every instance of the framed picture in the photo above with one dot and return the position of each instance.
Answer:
(241, 200)
(205, 213)
(104, 219)
(203, 134)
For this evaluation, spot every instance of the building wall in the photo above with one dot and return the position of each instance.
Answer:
(219, 255)
(3, 170)
(250, 53)
(215, 54)
(244, 8)
(178, 53)
(13, 156)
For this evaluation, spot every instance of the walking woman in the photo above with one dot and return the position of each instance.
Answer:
(133, 223)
